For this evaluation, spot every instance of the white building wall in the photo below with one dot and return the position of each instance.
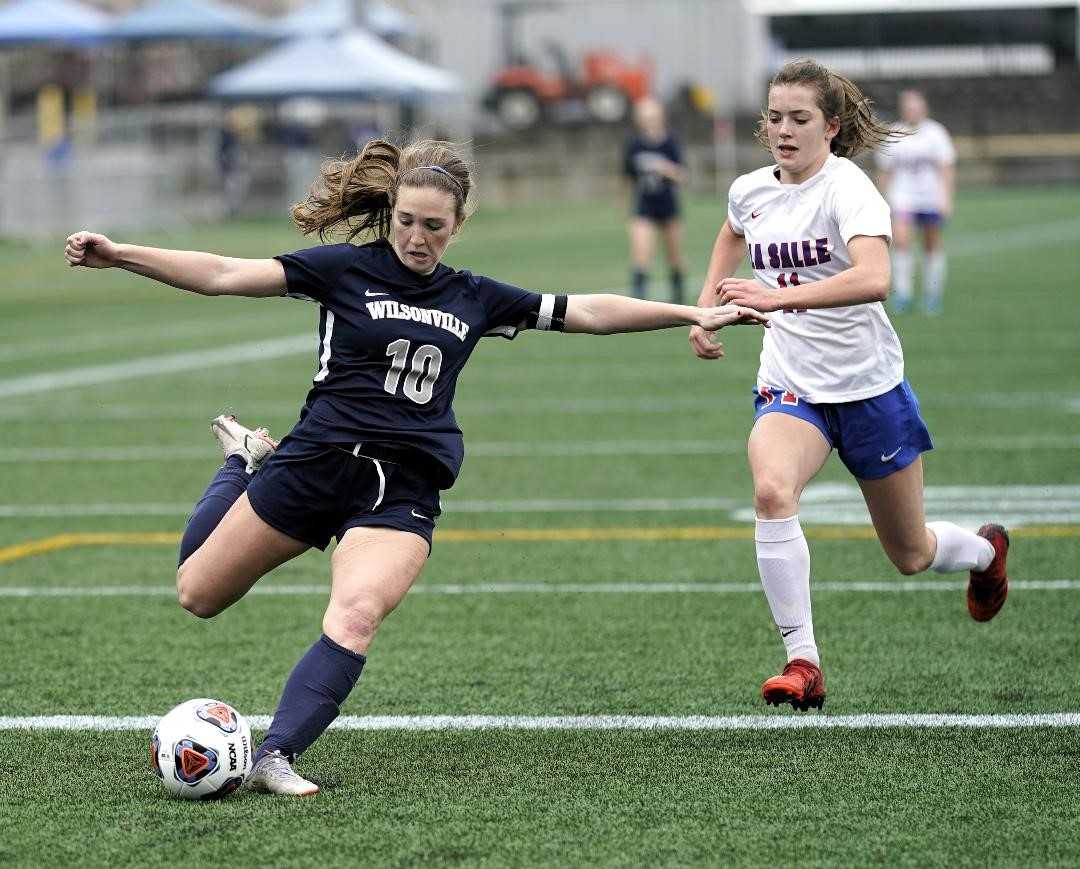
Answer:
(716, 43)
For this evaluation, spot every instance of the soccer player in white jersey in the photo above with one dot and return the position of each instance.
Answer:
(917, 171)
(832, 371)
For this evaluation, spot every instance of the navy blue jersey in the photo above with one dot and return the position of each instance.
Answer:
(393, 342)
(639, 163)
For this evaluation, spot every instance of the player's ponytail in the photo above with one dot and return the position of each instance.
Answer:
(838, 97)
(353, 195)
(357, 196)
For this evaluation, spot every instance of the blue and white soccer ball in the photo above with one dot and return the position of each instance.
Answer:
(202, 749)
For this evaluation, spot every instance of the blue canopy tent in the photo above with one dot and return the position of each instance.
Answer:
(188, 19)
(331, 17)
(353, 64)
(27, 21)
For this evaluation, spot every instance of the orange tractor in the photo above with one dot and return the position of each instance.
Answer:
(523, 93)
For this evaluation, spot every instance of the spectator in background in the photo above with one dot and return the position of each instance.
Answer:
(654, 164)
(918, 177)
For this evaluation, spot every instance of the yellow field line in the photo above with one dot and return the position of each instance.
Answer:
(58, 542)
(67, 541)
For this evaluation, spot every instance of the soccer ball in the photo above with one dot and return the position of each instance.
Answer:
(201, 749)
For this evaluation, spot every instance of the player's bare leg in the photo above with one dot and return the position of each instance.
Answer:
(913, 545)
(642, 247)
(785, 454)
(239, 551)
(903, 264)
(372, 569)
(896, 509)
(934, 268)
(672, 234)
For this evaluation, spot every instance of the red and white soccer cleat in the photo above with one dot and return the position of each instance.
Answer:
(254, 446)
(987, 589)
(802, 684)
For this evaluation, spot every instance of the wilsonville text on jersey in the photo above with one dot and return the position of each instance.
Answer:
(396, 311)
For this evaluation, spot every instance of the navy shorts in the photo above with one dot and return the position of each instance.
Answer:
(314, 491)
(874, 437)
(922, 218)
(657, 207)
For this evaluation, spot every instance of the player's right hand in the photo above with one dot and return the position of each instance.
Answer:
(90, 249)
(701, 342)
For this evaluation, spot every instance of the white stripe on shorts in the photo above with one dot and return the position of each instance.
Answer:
(382, 485)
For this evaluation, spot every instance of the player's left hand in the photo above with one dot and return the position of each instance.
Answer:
(748, 294)
(711, 319)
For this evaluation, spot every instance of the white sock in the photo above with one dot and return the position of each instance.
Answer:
(902, 268)
(784, 563)
(934, 269)
(958, 549)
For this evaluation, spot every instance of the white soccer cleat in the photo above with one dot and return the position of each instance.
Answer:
(273, 774)
(252, 445)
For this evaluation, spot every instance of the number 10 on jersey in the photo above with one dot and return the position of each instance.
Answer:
(423, 370)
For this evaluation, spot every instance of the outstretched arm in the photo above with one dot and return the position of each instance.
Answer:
(607, 314)
(866, 281)
(207, 274)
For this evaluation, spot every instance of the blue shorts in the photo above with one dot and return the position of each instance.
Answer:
(921, 218)
(874, 437)
(314, 491)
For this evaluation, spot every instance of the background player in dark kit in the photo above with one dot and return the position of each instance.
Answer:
(376, 439)
(654, 164)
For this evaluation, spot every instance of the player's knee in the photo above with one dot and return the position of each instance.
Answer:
(192, 594)
(773, 499)
(352, 623)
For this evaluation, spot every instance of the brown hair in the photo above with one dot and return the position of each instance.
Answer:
(357, 196)
(837, 97)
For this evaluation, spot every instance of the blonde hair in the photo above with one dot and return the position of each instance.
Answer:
(837, 97)
(357, 196)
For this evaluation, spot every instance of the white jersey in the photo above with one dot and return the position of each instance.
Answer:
(797, 234)
(915, 162)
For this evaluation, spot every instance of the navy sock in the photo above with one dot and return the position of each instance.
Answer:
(314, 692)
(638, 281)
(676, 286)
(229, 483)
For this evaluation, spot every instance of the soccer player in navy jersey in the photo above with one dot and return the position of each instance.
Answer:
(376, 439)
(653, 163)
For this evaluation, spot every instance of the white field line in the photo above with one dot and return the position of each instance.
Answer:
(148, 366)
(821, 503)
(1024, 236)
(454, 589)
(80, 412)
(920, 721)
(66, 345)
(513, 449)
(968, 506)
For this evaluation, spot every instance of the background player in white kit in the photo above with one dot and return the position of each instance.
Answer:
(917, 173)
(832, 370)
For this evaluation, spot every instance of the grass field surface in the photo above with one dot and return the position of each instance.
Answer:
(594, 559)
